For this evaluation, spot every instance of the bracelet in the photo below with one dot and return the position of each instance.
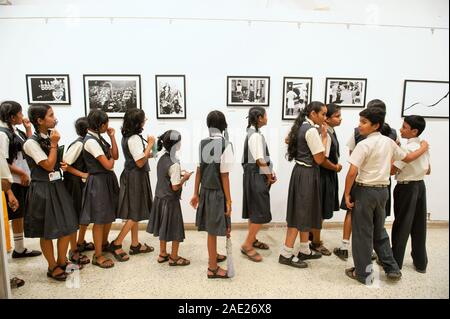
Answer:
(53, 146)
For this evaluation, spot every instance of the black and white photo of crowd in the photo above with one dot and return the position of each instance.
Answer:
(248, 91)
(344, 92)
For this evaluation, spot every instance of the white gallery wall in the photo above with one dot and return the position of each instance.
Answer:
(208, 51)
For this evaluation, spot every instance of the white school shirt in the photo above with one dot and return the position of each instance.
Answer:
(73, 152)
(20, 161)
(93, 147)
(417, 169)
(351, 142)
(34, 150)
(313, 140)
(227, 158)
(373, 157)
(4, 169)
(256, 146)
(175, 174)
(330, 132)
(135, 147)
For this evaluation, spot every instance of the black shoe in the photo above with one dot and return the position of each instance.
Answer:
(288, 261)
(341, 253)
(394, 276)
(26, 253)
(312, 255)
(422, 271)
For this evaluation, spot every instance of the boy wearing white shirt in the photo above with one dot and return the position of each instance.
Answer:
(410, 201)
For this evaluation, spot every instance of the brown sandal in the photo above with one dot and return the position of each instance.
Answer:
(260, 245)
(253, 257)
(163, 258)
(176, 262)
(216, 275)
(60, 277)
(221, 258)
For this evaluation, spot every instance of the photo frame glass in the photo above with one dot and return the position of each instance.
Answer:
(48, 89)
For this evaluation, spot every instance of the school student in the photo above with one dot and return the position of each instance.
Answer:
(386, 130)
(101, 193)
(257, 180)
(135, 197)
(410, 198)
(75, 175)
(329, 170)
(370, 166)
(166, 219)
(304, 209)
(49, 212)
(11, 144)
(212, 197)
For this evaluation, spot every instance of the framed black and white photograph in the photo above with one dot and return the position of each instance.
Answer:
(53, 89)
(426, 98)
(248, 90)
(347, 92)
(296, 95)
(170, 96)
(114, 94)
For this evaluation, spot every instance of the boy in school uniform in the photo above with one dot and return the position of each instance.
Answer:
(410, 200)
(370, 166)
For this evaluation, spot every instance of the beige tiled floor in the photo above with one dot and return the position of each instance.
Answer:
(143, 277)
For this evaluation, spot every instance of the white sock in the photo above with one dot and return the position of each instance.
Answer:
(345, 244)
(18, 243)
(304, 248)
(286, 251)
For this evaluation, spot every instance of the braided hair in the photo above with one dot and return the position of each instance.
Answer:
(168, 140)
(132, 122)
(253, 115)
(292, 137)
(96, 119)
(8, 109)
(36, 112)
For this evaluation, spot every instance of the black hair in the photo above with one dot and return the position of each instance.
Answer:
(332, 108)
(292, 137)
(81, 126)
(132, 122)
(8, 109)
(96, 119)
(253, 115)
(37, 111)
(168, 139)
(377, 103)
(216, 120)
(416, 122)
(375, 115)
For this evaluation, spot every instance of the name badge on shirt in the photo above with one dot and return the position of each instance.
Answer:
(54, 176)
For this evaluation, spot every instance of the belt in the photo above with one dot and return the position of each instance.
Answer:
(376, 186)
(407, 182)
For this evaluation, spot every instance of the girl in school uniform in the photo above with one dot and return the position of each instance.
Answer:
(75, 175)
(101, 193)
(49, 213)
(135, 197)
(258, 178)
(329, 170)
(304, 209)
(212, 197)
(11, 144)
(166, 219)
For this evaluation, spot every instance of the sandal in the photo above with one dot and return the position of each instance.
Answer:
(58, 277)
(260, 245)
(104, 264)
(176, 262)
(319, 247)
(85, 246)
(121, 257)
(16, 282)
(105, 247)
(221, 258)
(253, 257)
(72, 268)
(81, 260)
(135, 250)
(163, 259)
(216, 275)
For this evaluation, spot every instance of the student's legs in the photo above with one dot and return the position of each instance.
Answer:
(47, 251)
(106, 229)
(212, 253)
(304, 242)
(174, 253)
(253, 230)
(82, 234)
(63, 245)
(73, 242)
(291, 234)
(347, 226)
(17, 226)
(316, 236)
(123, 233)
(135, 235)
(163, 248)
(419, 231)
(98, 236)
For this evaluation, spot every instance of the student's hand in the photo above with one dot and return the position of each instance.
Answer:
(150, 140)
(274, 178)
(85, 176)
(186, 175)
(13, 203)
(26, 123)
(194, 201)
(338, 168)
(348, 202)
(24, 179)
(286, 140)
(324, 129)
(110, 131)
(64, 166)
(425, 145)
(228, 211)
(54, 137)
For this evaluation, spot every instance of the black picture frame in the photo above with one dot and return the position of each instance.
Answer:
(52, 89)
(115, 107)
(249, 102)
(426, 108)
(308, 81)
(173, 108)
(360, 104)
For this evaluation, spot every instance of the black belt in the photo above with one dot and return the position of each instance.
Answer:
(407, 182)
(376, 186)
